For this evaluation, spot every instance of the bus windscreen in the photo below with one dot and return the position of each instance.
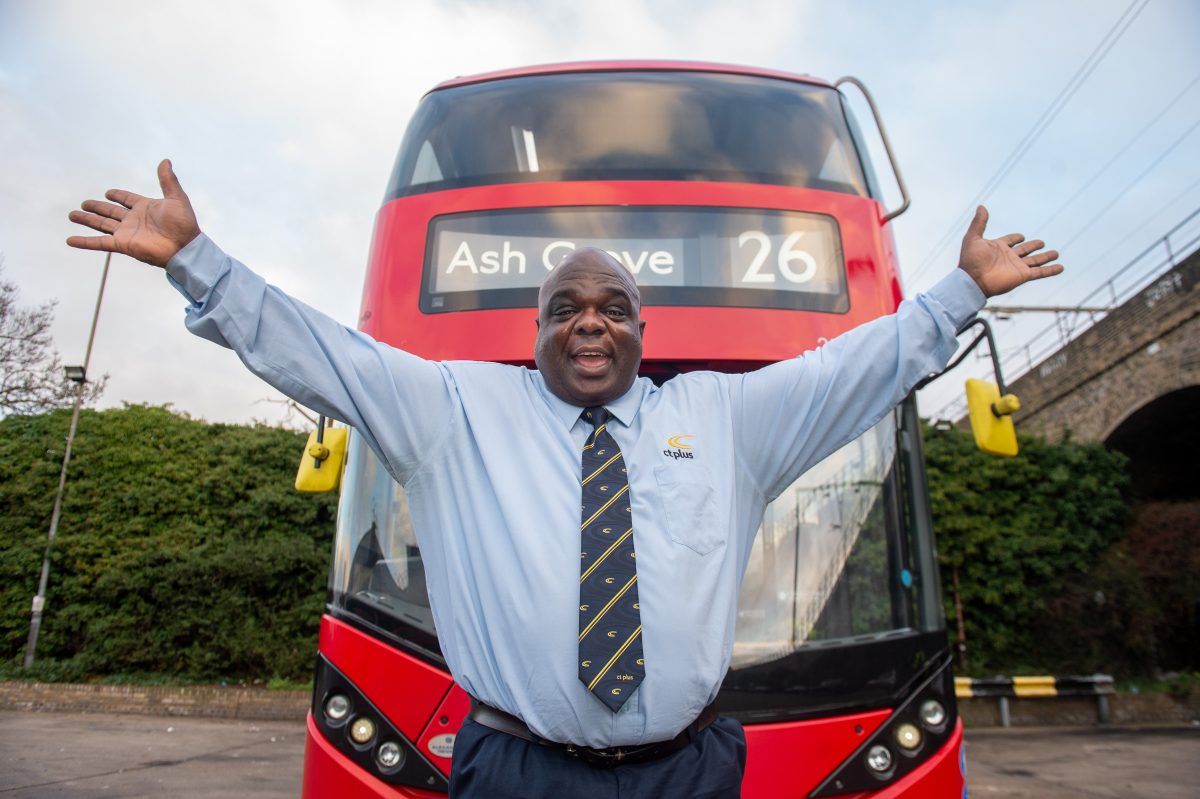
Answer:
(665, 125)
(733, 257)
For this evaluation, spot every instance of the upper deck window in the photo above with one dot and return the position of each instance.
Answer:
(629, 126)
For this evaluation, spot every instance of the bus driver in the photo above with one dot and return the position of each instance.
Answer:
(593, 653)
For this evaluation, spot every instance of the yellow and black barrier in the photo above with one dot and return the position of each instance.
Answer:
(1034, 687)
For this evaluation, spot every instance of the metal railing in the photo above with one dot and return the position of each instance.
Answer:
(1123, 284)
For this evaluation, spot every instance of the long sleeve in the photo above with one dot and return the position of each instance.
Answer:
(790, 415)
(400, 403)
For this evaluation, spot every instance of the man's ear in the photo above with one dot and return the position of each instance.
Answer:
(537, 322)
(642, 328)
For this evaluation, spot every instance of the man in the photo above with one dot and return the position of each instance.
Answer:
(584, 589)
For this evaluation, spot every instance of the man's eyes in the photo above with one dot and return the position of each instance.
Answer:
(613, 311)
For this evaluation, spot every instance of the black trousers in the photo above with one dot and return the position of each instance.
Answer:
(494, 765)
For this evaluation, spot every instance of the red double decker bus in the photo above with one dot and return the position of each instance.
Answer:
(744, 203)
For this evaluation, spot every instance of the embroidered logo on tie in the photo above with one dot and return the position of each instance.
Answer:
(611, 664)
(678, 446)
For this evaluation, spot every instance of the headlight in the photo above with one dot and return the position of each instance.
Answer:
(389, 755)
(933, 715)
(879, 759)
(908, 736)
(336, 707)
(362, 730)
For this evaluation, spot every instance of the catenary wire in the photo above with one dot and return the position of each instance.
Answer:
(1121, 194)
(1088, 184)
(1068, 91)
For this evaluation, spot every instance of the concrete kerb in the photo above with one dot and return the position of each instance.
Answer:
(263, 705)
(1080, 711)
(209, 701)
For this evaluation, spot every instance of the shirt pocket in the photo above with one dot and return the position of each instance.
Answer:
(689, 505)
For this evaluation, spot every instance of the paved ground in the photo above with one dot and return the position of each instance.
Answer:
(1058, 763)
(77, 756)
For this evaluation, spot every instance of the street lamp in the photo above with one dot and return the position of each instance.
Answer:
(77, 374)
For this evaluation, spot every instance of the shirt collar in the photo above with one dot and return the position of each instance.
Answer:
(624, 407)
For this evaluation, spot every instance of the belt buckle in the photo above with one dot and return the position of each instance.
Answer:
(598, 758)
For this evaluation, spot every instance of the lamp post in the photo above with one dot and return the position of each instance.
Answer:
(78, 374)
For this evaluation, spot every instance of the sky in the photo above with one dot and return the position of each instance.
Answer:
(282, 119)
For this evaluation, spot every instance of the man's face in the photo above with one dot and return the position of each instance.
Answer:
(589, 341)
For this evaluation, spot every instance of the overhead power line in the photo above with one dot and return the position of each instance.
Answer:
(1121, 194)
(1074, 275)
(1087, 185)
(1056, 106)
(1137, 283)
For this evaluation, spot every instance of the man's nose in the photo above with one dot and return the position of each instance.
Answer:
(590, 322)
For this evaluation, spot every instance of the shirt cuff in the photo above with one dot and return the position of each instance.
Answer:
(960, 295)
(197, 268)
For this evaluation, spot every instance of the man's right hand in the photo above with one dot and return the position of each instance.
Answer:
(149, 230)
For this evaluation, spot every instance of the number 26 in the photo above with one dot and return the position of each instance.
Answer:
(788, 254)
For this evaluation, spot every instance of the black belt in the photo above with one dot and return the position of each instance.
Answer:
(507, 723)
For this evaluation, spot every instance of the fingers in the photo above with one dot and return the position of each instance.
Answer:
(96, 222)
(168, 182)
(978, 223)
(1039, 272)
(110, 210)
(1041, 258)
(125, 198)
(1028, 247)
(106, 243)
(1011, 239)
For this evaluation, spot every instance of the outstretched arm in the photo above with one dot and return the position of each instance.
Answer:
(401, 404)
(792, 414)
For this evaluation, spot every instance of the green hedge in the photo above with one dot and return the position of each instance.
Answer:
(1024, 535)
(183, 549)
(184, 552)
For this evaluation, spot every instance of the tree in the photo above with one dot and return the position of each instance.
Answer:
(31, 377)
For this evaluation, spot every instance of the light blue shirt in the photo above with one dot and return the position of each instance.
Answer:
(490, 461)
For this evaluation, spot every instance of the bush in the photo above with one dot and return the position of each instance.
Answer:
(182, 549)
(1023, 533)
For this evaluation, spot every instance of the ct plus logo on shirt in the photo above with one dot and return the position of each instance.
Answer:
(678, 446)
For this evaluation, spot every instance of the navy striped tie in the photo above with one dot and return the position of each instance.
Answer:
(610, 626)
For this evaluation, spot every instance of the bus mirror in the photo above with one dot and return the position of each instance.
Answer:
(321, 465)
(991, 417)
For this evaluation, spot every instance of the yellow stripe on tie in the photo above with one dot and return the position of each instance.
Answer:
(595, 434)
(604, 507)
(608, 607)
(602, 468)
(1034, 686)
(613, 659)
(605, 554)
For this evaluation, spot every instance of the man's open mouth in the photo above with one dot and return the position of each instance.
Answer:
(591, 360)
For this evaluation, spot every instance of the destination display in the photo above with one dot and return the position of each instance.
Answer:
(678, 256)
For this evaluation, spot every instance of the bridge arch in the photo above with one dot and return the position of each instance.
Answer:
(1161, 438)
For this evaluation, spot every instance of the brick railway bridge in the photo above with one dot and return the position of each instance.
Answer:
(1131, 381)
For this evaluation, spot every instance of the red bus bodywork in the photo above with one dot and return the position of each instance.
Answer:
(786, 758)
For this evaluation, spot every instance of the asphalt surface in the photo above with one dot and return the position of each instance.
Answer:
(79, 756)
(1072, 763)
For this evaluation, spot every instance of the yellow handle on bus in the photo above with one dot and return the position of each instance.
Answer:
(991, 417)
(321, 465)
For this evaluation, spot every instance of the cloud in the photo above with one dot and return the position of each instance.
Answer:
(283, 119)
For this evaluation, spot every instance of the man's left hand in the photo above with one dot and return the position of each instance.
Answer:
(1000, 265)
